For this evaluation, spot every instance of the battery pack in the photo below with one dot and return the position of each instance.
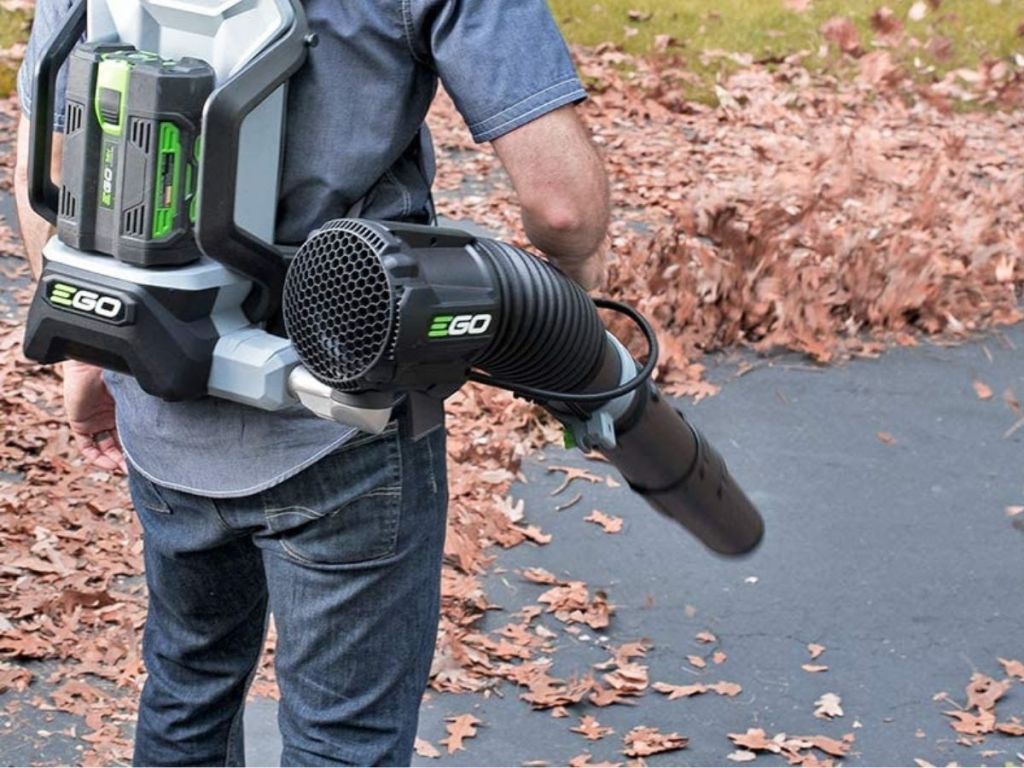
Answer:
(131, 154)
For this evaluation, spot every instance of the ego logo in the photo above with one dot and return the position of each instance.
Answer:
(107, 172)
(64, 296)
(446, 326)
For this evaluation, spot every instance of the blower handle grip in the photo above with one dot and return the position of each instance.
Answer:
(42, 192)
(217, 233)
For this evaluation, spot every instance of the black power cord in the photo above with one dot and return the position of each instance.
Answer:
(630, 386)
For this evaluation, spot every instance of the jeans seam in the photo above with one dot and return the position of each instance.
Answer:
(393, 525)
(407, 30)
(236, 719)
(292, 552)
(312, 514)
(158, 507)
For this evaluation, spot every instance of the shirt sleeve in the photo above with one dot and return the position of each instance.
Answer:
(504, 62)
(49, 16)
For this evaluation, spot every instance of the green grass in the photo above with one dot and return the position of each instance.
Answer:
(766, 29)
(13, 29)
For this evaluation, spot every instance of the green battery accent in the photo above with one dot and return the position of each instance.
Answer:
(168, 179)
(568, 439)
(190, 191)
(112, 77)
(439, 326)
(61, 294)
(193, 180)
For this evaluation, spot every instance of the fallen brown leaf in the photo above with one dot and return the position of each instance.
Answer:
(459, 729)
(742, 756)
(1013, 668)
(982, 389)
(609, 523)
(726, 689)
(828, 706)
(643, 741)
(425, 749)
(972, 724)
(592, 729)
(983, 691)
(571, 474)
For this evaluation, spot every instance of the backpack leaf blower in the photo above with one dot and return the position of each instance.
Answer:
(391, 310)
(164, 265)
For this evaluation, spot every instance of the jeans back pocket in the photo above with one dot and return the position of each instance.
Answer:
(346, 508)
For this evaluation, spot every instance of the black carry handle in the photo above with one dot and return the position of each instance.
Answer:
(42, 192)
(217, 234)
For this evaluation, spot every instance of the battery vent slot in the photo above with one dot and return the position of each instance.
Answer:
(73, 117)
(68, 204)
(135, 221)
(141, 134)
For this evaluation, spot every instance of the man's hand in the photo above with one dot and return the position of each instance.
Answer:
(560, 179)
(90, 410)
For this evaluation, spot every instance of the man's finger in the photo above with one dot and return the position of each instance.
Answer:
(94, 455)
(111, 449)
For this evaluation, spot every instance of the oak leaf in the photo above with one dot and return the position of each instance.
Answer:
(459, 729)
(591, 728)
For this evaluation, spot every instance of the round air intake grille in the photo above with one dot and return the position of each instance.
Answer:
(338, 302)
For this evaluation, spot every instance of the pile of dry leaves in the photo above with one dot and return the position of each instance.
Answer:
(804, 213)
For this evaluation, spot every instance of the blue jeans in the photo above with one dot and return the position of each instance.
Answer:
(347, 557)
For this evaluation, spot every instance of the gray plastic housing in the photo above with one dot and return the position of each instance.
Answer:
(226, 34)
(249, 365)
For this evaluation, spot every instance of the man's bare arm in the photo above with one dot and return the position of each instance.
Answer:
(562, 185)
(35, 230)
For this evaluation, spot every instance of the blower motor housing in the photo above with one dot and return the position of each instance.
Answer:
(397, 307)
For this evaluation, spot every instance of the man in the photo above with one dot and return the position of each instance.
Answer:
(340, 535)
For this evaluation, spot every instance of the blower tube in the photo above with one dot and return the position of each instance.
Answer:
(393, 308)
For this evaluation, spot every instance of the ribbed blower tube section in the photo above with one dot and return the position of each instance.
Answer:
(384, 307)
(548, 333)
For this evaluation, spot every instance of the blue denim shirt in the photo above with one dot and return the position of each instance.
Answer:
(355, 132)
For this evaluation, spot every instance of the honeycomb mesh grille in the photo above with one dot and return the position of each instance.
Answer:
(338, 302)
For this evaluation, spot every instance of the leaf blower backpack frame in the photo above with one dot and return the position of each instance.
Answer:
(164, 264)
